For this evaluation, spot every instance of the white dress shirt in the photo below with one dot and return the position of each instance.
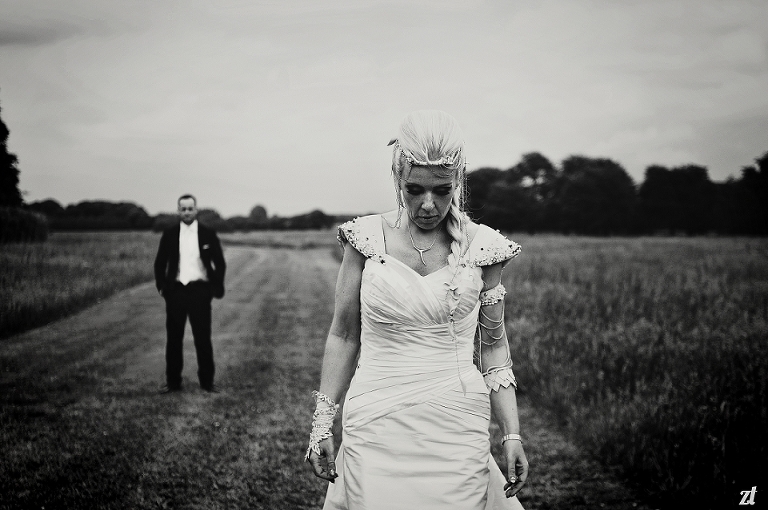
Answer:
(191, 267)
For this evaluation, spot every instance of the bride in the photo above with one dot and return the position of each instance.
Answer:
(418, 345)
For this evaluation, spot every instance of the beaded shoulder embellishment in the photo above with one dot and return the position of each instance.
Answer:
(362, 238)
(497, 249)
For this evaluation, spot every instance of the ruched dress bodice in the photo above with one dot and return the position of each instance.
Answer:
(416, 415)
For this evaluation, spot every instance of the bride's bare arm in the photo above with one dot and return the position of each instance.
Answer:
(496, 366)
(343, 341)
(341, 349)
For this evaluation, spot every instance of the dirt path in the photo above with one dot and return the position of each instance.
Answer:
(83, 426)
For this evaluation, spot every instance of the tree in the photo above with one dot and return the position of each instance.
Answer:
(480, 184)
(258, 218)
(510, 206)
(752, 197)
(212, 219)
(517, 199)
(536, 172)
(258, 214)
(726, 209)
(49, 207)
(535, 179)
(10, 195)
(678, 200)
(316, 219)
(595, 196)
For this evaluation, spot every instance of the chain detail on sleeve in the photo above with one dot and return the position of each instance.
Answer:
(490, 325)
(494, 328)
(491, 331)
(322, 421)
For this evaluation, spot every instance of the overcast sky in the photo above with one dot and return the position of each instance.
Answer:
(290, 104)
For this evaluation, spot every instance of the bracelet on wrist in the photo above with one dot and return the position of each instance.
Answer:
(511, 437)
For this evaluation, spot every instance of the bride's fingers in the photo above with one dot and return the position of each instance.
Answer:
(317, 467)
(513, 489)
(332, 470)
(522, 468)
(517, 467)
(328, 450)
(324, 465)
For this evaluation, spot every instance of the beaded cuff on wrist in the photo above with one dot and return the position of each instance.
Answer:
(322, 421)
(493, 296)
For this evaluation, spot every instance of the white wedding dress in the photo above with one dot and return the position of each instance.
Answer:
(416, 415)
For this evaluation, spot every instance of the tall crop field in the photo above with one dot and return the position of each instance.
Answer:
(654, 352)
(40, 282)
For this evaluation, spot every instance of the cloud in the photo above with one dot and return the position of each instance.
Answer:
(46, 22)
(30, 35)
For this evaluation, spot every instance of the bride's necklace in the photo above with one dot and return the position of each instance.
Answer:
(420, 250)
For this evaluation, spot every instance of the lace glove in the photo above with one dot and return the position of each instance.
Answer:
(322, 421)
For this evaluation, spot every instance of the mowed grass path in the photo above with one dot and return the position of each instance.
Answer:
(83, 427)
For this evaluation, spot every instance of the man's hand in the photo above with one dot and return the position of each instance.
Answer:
(324, 465)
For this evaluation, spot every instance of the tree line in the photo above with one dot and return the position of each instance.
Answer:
(104, 215)
(583, 195)
(596, 196)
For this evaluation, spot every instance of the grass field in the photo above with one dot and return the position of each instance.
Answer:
(41, 282)
(652, 352)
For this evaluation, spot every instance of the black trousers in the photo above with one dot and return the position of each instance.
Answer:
(194, 301)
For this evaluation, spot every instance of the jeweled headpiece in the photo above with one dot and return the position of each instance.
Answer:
(447, 160)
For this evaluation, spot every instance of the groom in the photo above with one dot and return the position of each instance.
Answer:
(189, 272)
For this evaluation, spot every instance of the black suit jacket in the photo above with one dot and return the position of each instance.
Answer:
(167, 260)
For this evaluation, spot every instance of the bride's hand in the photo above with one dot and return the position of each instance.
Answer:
(517, 467)
(324, 465)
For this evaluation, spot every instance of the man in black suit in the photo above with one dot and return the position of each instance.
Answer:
(189, 272)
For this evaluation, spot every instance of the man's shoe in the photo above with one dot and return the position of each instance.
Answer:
(166, 388)
(211, 388)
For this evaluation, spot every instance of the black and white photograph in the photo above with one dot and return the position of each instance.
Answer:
(384, 254)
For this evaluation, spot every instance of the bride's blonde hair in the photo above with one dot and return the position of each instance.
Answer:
(434, 138)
